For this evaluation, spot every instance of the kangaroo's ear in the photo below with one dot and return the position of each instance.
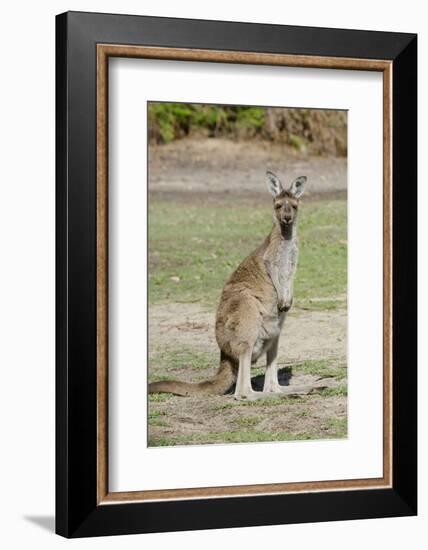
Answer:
(298, 186)
(274, 184)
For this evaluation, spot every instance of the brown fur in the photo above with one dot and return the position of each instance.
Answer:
(252, 308)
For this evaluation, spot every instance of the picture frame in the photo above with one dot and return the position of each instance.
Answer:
(84, 44)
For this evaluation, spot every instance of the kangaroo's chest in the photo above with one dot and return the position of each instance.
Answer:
(284, 262)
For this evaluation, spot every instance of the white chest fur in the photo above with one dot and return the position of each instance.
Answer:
(284, 265)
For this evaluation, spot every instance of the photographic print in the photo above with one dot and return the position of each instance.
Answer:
(247, 274)
(230, 275)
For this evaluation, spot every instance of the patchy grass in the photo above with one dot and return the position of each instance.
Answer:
(235, 424)
(245, 436)
(156, 418)
(240, 436)
(155, 414)
(248, 421)
(339, 390)
(261, 403)
(177, 359)
(338, 427)
(159, 397)
(224, 420)
(194, 249)
(220, 419)
(322, 369)
(158, 422)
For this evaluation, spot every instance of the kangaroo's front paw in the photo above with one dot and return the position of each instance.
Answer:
(285, 305)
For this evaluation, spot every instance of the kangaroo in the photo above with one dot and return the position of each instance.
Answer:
(253, 307)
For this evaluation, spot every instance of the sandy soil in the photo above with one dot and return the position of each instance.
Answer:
(307, 335)
(224, 166)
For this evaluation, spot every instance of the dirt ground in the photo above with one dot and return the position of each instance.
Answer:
(306, 335)
(223, 166)
(181, 335)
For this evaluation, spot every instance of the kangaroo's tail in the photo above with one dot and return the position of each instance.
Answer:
(224, 378)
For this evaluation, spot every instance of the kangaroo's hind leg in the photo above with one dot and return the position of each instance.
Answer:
(239, 336)
(244, 390)
(271, 384)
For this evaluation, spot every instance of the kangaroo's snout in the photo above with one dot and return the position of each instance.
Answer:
(285, 209)
(287, 215)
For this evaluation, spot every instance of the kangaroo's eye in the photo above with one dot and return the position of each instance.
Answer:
(294, 206)
(277, 206)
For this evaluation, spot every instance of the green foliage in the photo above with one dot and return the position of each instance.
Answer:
(297, 142)
(169, 121)
(322, 132)
(250, 117)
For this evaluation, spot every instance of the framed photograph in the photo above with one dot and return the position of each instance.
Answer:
(236, 274)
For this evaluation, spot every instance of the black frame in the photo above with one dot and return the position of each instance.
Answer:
(77, 513)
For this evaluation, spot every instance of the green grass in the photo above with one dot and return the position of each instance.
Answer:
(201, 246)
(321, 368)
(331, 392)
(316, 367)
(247, 432)
(264, 402)
(338, 426)
(159, 423)
(248, 421)
(155, 413)
(239, 436)
(182, 357)
(159, 397)
(155, 418)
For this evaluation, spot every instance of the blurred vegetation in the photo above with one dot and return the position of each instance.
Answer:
(316, 131)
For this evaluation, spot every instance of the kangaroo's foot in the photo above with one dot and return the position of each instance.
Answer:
(279, 391)
(276, 390)
(248, 396)
(271, 386)
(252, 395)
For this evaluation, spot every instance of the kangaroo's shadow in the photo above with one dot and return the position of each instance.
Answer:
(257, 382)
